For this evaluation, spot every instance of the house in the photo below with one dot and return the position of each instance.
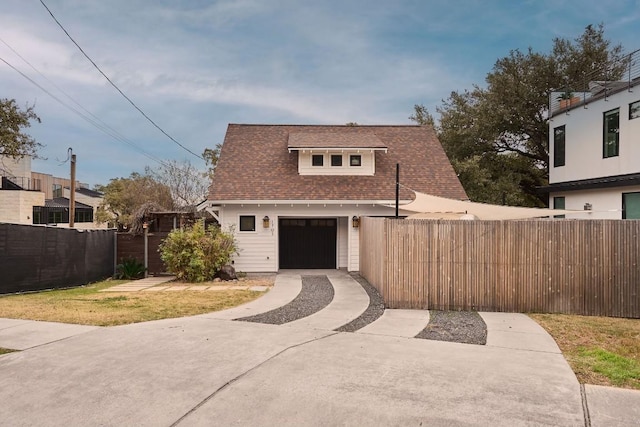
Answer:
(18, 192)
(293, 194)
(28, 197)
(594, 148)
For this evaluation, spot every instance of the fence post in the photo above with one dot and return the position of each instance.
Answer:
(146, 250)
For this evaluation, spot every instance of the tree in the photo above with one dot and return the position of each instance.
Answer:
(14, 142)
(188, 186)
(499, 134)
(123, 196)
(211, 156)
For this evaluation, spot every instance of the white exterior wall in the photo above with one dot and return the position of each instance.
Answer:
(584, 140)
(259, 249)
(368, 163)
(16, 207)
(606, 203)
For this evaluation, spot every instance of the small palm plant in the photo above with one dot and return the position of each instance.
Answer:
(130, 269)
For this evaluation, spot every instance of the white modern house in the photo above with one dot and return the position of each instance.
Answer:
(293, 194)
(594, 144)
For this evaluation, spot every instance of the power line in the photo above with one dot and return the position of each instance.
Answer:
(103, 128)
(98, 123)
(114, 85)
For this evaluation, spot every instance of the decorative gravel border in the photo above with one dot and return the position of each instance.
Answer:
(316, 293)
(455, 326)
(373, 311)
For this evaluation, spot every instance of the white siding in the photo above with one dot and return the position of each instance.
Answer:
(606, 203)
(584, 141)
(259, 249)
(344, 224)
(367, 167)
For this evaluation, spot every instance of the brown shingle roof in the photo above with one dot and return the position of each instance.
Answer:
(334, 140)
(255, 164)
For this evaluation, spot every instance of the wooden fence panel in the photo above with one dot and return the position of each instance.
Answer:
(589, 267)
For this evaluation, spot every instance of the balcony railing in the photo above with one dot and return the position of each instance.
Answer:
(23, 183)
(596, 85)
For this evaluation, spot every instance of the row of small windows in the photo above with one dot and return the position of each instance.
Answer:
(336, 160)
(610, 137)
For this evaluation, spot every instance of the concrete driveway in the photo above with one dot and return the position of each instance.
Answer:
(210, 370)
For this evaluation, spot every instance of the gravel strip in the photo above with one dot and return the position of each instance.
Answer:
(317, 292)
(373, 311)
(455, 326)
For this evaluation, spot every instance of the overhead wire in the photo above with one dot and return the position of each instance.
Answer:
(103, 128)
(115, 86)
(94, 121)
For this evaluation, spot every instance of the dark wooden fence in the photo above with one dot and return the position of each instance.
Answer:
(36, 257)
(132, 246)
(589, 267)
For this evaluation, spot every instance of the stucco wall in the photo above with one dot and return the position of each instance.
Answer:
(584, 141)
(606, 203)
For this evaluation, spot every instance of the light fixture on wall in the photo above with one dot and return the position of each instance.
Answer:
(266, 222)
(587, 206)
(355, 221)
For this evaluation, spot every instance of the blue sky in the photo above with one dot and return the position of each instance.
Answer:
(194, 66)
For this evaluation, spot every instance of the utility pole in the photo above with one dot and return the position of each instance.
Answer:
(72, 196)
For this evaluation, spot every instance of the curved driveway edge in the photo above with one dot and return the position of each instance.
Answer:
(287, 286)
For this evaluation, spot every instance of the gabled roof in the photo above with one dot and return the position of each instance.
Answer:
(256, 164)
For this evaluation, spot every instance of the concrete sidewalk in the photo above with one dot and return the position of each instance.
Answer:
(206, 370)
(151, 284)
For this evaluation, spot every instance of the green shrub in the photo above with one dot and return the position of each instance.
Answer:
(196, 255)
(129, 269)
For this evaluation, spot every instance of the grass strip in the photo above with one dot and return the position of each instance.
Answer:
(600, 350)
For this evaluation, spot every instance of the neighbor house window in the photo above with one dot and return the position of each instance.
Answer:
(247, 223)
(558, 203)
(355, 160)
(56, 190)
(634, 110)
(631, 205)
(317, 160)
(611, 140)
(558, 146)
(336, 160)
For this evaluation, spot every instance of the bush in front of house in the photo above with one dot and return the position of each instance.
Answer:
(194, 254)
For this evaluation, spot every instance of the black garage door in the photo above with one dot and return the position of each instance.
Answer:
(308, 242)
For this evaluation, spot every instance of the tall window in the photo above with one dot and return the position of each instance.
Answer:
(611, 140)
(558, 146)
(558, 203)
(57, 190)
(634, 110)
(630, 205)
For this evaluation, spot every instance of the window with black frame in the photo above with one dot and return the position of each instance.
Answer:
(611, 130)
